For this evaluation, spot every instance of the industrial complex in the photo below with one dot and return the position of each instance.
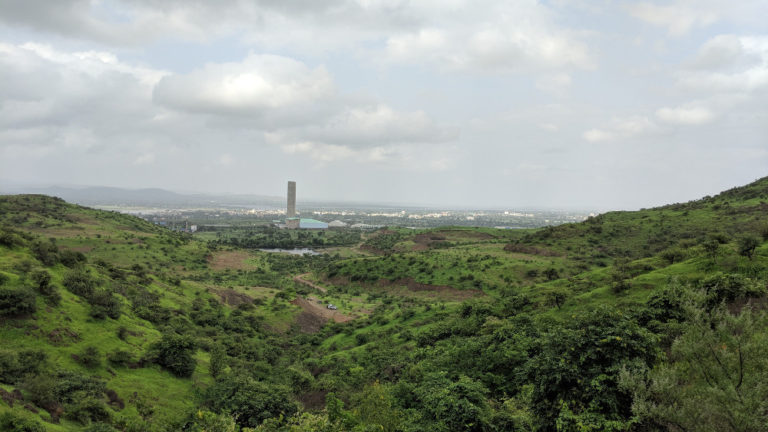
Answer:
(292, 221)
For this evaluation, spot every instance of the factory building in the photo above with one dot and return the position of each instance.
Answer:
(294, 222)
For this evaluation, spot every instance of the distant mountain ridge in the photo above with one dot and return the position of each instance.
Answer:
(103, 195)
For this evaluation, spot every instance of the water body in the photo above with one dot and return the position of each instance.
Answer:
(296, 251)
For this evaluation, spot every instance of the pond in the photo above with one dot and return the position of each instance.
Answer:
(295, 251)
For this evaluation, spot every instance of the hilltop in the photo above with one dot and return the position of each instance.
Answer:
(113, 323)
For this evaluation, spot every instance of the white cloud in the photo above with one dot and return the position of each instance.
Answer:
(298, 103)
(554, 83)
(685, 115)
(730, 63)
(621, 128)
(679, 17)
(502, 37)
(597, 135)
(258, 83)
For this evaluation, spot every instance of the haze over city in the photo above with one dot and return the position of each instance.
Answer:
(610, 105)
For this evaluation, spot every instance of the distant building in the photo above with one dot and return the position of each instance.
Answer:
(365, 226)
(337, 224)
(291, 213)
(193, 228)
(293, 223)
(312, 224)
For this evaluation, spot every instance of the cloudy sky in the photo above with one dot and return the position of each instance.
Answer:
(560, 103)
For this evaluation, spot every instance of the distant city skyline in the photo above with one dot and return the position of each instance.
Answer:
(485, 104)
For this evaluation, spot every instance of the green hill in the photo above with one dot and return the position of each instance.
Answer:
(646, 320)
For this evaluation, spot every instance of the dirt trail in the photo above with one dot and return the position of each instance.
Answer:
(300, 279)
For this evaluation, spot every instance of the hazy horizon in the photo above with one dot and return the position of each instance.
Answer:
(491, 104)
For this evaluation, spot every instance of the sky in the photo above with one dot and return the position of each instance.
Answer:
(490, 103)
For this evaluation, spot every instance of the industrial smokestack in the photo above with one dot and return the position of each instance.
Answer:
(291, 199)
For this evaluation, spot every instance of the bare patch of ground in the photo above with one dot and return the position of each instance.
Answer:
(314, 315)
(236, 260)
(231, 297)
(531, 250)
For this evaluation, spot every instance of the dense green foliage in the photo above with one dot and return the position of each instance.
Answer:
(630, 321)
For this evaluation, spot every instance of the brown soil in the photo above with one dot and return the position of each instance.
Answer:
(223, 260)
(62, 336)
(465, 234)
(530, 250)
(314, 315)
(231, 297)
(425, 241)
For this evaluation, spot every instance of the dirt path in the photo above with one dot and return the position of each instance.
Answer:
(314, 315)
(300, 279)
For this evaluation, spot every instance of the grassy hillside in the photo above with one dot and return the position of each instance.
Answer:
(112, 323)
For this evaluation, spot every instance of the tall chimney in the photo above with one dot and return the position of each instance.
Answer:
(291, 199)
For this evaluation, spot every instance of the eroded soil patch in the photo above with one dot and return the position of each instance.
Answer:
(223, 260)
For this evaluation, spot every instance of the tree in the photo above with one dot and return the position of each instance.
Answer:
(15, 302)
(250, 401)
(715, 379)
(455, 405)
(175, 353)
(218, 360)
(747, 246)
(576, 368)
(711, 249)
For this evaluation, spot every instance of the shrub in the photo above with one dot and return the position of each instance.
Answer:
(90, 357)
(80, 283)
(104, 304)
(120, 357)
(71, 385)
(175, 353)
(249, 400)
(46, 252)
(15, 302)
(747, 246)
(14, 365)
(87, 410)
(71, 258)
(13, 422)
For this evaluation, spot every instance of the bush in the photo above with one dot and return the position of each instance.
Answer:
(15, 302)
(104, 304)
(120, 357)
(100, 427)
(87, 410)
(14, 365)
(80, 283)
(90, 357)
(71, 258)
(13, 422)
(747, 246)
(175, 353)
(249, 400)
(46, 252)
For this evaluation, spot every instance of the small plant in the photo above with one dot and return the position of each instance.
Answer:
(90, 357)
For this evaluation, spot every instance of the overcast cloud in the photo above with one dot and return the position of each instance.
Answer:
(565, 103)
